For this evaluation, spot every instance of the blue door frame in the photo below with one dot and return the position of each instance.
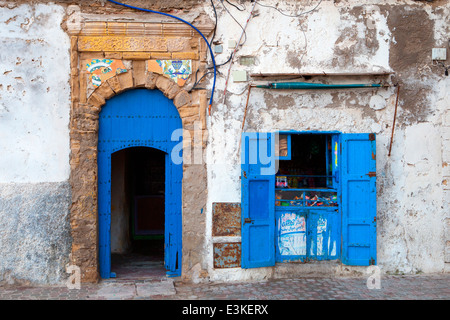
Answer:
(140, 118)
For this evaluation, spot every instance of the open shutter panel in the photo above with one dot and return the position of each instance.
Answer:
(258, 200)
(358, 199)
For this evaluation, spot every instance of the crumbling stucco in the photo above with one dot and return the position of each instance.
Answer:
(35, 235)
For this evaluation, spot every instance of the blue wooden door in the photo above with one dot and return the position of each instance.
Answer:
(258, 200)
(358, 199)
(140, 118)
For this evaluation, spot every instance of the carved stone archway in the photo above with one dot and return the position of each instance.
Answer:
(134, 44)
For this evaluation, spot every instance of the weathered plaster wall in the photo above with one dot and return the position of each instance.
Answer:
(34, 91)
(34, 232)
(34, 141)
(348, 37)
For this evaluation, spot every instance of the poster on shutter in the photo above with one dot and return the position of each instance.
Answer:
(321, 229)
(292, 234)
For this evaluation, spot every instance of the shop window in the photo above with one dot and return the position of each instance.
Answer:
(306, 179)
(323, 191)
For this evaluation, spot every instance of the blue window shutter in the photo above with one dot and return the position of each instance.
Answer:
(358, 199)
(258, 200)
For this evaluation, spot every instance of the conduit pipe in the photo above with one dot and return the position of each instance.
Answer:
(307, 85)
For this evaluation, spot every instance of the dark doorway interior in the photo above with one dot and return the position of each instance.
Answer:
(137, 213)
(310, 160)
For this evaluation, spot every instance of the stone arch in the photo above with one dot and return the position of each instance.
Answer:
(182, 100)
(135, 42)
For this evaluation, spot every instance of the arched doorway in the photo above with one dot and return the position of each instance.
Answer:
(135, 119)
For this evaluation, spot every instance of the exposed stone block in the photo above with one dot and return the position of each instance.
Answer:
(89, 56)
(164, 84)
(136, 55)
(113, 55)
(90, 274)
(75, 85)
(150, 80)
(126, 80)
(188, 111)
(161, 55)
(73, 52)
(185, 55)
(105, 91)
(203, 107)
(178, 44)
(172, 91)
(188, 122)
(83, 87)
(139, 73)
(114, 84)
(96, 100)
(181, 99)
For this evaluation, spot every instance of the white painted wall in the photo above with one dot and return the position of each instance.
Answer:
(34, 94)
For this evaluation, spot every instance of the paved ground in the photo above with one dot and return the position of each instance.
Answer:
(408, 287)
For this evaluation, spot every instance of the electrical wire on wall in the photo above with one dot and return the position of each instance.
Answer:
(192, 26)
(235, 50)
(243, 30)
(288, 15)
(232, 4)
(196, 82)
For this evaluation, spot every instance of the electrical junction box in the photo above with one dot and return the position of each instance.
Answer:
(218, 48)
(439, 54)
(239, 76)
(231, 44)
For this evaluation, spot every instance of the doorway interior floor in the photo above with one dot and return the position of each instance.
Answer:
(145, 262)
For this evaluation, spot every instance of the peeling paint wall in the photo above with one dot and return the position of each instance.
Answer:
(34, 141)
(349, 37)
(338, 37)
(34, 89)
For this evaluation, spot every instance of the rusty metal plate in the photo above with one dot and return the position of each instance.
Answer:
(226, 219)
(227, 255)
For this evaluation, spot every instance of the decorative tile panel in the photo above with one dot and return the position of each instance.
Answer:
(103, 69)
(177, 70)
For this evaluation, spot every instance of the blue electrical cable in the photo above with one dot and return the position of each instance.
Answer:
(184, 21)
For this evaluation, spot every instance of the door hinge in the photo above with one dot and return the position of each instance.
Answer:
(371, 137)
(248, 220)
(371, 262)
(371, 174)
(245, 174)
